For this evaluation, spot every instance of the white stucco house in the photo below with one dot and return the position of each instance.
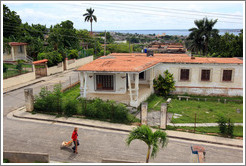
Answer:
(128, 77)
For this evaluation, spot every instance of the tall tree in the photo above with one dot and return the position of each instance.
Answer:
(90, 17)
(201, 34)
(144, 133)
(11, 22)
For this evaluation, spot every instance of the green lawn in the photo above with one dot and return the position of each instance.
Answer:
(238, 130)
(72, 93)
(12, 71)
(206, 111)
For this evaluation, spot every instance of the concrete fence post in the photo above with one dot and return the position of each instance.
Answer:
(29, 99)
(144, 109)
(163, 122)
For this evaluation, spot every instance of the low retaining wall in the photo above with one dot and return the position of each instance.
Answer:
(26, 157)
(18, 79)
(213, 91)
(79, 62)
(55, 69)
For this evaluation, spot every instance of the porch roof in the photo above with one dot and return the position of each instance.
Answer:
(140, 63)
(17, 44)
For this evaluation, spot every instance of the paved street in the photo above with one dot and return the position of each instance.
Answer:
(96, 144)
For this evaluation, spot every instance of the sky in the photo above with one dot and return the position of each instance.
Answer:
(131, 15)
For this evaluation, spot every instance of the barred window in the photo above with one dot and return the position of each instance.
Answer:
(20, 49)
(227, 75)
(104, 82)
(205, 75)
(184, 74)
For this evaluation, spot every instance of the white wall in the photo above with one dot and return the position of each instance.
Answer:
(79, 62)
(119, 83)
(213, 87)
(55, 69)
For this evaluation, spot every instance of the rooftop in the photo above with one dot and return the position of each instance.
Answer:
(17, 44)
(137, 62)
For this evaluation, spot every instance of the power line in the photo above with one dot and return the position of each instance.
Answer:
(119, 10)
(189, 11)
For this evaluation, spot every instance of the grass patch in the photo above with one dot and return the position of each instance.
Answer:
(5, 161)
(238, 130)
(72, 93)
(206, 111)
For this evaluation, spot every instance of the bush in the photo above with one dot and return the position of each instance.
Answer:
(19, 66)
(222, 124)
(53, 57)
(73, 54)
(5, 67)
(230, 128)
(226, 129)
(71, 108)
(47, 101)
(164, 85)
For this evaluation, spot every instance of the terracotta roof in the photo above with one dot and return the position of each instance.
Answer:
(140, 63)
(16, 44)
(120, 64)
(40, 61)
(144, 54)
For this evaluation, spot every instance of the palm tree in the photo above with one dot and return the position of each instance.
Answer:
(153, 140)
(90, 17)
(201, 34)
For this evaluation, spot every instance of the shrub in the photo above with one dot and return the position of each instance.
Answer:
(73, 54)
(19, 66)
(222, 124)
(47, 101)
(53, 57)
(230, 128)
(71, 108)
(5, 67)
(164, 85)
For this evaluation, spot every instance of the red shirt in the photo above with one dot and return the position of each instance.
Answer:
(74, 136)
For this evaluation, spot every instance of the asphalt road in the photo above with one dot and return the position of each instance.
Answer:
(95, 144)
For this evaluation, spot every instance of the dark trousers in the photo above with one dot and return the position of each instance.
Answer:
(74, 147)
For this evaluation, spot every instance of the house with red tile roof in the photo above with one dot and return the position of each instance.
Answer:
(17, 51)
(128, 77)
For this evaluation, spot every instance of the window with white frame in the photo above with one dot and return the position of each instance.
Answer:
(227, 75)
(184, 74)
(205, 75)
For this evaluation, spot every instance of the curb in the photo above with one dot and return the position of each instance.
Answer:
(115, 129)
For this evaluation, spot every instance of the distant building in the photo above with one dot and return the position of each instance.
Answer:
(17, 51)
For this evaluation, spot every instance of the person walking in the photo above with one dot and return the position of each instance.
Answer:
(75, 140)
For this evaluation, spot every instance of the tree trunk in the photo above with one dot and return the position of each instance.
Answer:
(91, 27)
(147, 158)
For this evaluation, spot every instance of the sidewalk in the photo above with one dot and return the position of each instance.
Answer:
(21, 113)
(35, 81)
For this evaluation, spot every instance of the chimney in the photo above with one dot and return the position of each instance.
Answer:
(192, 57)
(150, 53)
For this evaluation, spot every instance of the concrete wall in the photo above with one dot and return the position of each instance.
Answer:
(213, 87)
(18, 79)
(119, 83)
(79, 62)
(55, 69)
(25, 157)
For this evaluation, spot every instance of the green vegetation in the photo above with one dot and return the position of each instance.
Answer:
(53, 57)
(206, 111)
(55, 102)
(152, 139)
(11, 70)
(163, 85)
(237, 132)
(89, 16)
(5, 161)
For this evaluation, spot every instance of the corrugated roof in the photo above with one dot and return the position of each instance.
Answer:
(140, 63)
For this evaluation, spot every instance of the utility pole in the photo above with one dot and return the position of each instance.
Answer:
(105, 44)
